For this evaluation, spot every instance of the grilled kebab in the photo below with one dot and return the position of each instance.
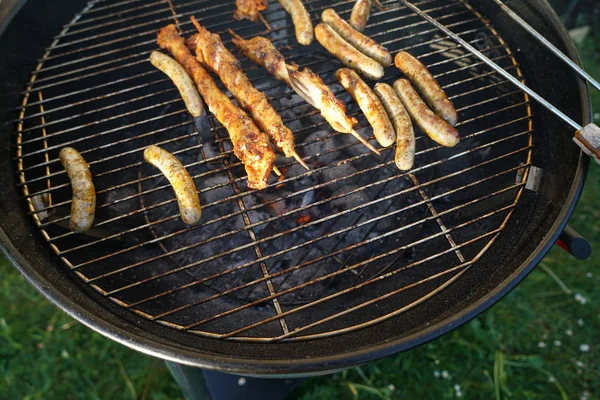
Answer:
(211, 52)
(250, 145)
(306, 83)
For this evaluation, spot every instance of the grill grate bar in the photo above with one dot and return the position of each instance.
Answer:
(461, 266)
(336, 273)
(230, 198)
(146, 42)
(88, 89)
(255, 246)
(198, 11)
(373, 202)
(102, 8)
(196, 163)
(324, 257)
(109, 16)
(173, 113)
(116, 142)
(113, 130)
(436, 215)
(342, 237)
(265, 76)
(111, 106)
(115, 105)
(367, 221)
(153, 32)
(207, 189)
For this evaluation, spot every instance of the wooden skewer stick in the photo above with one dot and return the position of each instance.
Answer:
(364, 141)
(264, 21)
(276, 170)
(300, 160)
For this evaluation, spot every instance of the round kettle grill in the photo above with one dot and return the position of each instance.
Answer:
(325, 269)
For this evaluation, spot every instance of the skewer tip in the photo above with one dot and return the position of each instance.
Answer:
(300, 160)
(365, 142)
(264, 21)
(235, 35)
(195, 22)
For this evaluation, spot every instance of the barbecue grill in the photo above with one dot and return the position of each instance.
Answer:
(325, 269)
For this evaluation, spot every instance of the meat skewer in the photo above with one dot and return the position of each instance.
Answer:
(301, 18)
(435, 127)
(363, 43)
(306, 83)
(361, 12)
(405, 134)
(250, 145)
(250, 9)
(211, 52)
(83, 204)
(370, 105)
(180, 180)
(427, 85)
(349, 55)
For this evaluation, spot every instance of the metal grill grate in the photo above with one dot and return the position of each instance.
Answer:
(348, 244)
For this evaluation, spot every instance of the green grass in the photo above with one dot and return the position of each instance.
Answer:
(44, 354)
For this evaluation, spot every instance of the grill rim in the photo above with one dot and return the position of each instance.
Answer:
(85, 309)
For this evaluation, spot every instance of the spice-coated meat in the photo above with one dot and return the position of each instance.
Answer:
(215, 55)
(250, 145)
(249, 9)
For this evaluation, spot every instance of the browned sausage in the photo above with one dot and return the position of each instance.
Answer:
(301, 19)
(181, 182)
(360, 14)
(370, 104)
(346, 53)
(427, 85)
(435, 127)
(365, 44)
(405, 134)
(83, 203)
(181, 79)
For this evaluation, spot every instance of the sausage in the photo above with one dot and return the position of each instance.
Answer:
(428, 86)
(83, 204)
(181, 79)
(360, 14)
(181, 182)
(405, 134)
(363, 43)
(301, 18)
(435, 127)
(346, 53)
(370, 105)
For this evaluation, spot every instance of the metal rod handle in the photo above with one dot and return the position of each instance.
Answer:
(547, 43)
(492, 64)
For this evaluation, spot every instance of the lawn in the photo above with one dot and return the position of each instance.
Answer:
(540, 342)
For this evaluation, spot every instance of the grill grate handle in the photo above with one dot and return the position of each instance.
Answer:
(587, 138)
(547, 44)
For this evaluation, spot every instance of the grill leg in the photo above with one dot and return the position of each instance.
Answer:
(198, 384)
